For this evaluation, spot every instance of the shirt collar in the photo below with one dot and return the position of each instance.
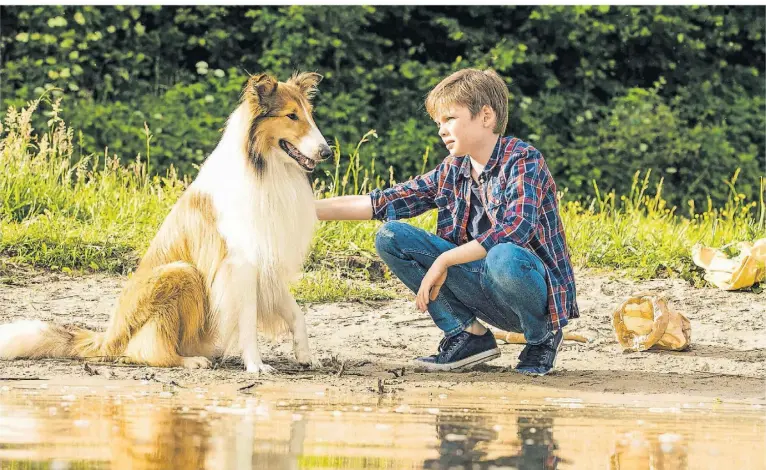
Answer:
(465, 167)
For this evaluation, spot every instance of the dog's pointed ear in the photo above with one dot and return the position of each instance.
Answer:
(261, 90)
(306, 82)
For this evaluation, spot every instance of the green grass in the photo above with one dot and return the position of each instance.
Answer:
(65, 211)
(643, 238)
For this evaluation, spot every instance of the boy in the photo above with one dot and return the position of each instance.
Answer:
(499, 253)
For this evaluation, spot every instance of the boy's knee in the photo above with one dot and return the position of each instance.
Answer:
(504, 258)
(500, 255)
(385, 238)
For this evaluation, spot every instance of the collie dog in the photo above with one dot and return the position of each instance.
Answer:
(220, 266)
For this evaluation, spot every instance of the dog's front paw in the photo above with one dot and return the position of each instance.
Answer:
(260, 368)
(309, 362)
(304, 358)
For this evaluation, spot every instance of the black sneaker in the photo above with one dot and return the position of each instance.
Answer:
(539, 359)
(461, 351)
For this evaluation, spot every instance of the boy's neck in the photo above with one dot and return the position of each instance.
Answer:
(482, 154)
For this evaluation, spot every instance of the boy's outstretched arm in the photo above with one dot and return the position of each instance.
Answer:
(344, 208)
(401, 201)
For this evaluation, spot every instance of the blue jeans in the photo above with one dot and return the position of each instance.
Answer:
(507, 289)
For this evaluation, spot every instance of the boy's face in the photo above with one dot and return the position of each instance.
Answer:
(462, 134)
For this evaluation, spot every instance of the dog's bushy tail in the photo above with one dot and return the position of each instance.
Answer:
(35, 339)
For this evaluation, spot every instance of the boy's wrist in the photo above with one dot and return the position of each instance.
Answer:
(445, 260)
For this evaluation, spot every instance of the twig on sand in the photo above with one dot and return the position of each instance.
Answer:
(119, 364)
(518, 338)
(21, 378)
(90, 370)
(247, 387)
(397, 372)
(341, 369)
(63, 297)
(412, 320)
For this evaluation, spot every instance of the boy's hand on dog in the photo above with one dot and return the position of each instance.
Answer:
(431, 284)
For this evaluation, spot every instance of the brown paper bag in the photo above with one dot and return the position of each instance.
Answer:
(739, 272)
(645, 320)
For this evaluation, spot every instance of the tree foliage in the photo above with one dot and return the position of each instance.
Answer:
(602, 91)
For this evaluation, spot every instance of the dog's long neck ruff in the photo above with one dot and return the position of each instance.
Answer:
(265, 216)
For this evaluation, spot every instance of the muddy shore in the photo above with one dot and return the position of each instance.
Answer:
(364, 346)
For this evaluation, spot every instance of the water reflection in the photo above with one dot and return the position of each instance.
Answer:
(153, 440)
(637, 451)
(198, 429)
(537, 445)
(464, 439)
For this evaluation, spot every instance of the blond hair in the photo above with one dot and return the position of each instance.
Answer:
(472, 88)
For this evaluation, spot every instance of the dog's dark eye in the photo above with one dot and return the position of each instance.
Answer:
(293, 116)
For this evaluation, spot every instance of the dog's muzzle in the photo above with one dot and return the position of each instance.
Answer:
(308, 164)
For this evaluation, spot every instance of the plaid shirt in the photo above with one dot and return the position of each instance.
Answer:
(520, 197)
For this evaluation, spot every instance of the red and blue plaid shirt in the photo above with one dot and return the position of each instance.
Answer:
(520, 198)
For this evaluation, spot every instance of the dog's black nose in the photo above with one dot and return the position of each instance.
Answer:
(325, 153)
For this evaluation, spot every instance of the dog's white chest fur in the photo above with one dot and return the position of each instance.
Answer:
(268, 221)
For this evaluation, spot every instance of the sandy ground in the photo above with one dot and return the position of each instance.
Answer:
(364, 346)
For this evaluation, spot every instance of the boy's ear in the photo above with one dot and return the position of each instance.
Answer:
(488, 116)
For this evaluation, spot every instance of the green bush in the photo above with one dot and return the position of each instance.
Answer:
(591, 87)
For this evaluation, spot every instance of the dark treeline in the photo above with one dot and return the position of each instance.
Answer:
(601, 91)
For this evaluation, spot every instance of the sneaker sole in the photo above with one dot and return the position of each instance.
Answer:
(476, 359)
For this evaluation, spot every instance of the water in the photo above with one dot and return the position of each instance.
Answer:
(149, 425)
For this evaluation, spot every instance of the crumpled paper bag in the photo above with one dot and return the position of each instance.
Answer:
(739, 272)
(646, 321)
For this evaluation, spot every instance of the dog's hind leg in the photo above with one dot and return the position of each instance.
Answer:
(167, 315)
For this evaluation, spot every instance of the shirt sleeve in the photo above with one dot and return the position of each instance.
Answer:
(407, 199)
(522, 197)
